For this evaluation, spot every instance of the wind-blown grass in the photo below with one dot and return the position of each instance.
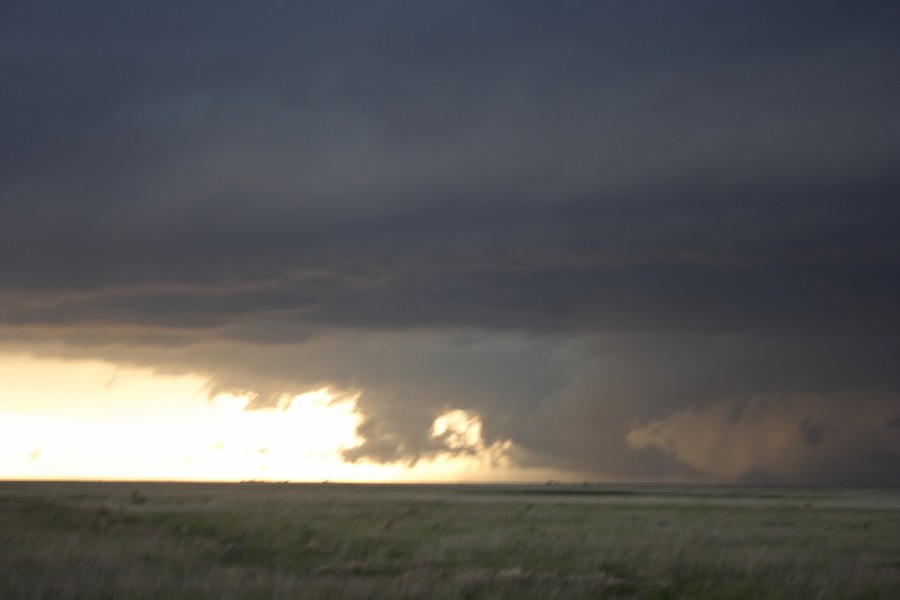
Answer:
(96, 540)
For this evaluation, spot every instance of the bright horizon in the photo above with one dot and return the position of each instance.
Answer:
(169, 428)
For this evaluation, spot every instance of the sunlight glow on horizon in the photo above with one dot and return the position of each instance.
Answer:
(62, 419)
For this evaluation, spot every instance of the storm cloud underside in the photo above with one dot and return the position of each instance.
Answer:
(646, 241)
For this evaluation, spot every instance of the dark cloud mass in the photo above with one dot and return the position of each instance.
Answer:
(652, 239)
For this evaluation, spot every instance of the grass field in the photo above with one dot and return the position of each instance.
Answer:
(158, 540)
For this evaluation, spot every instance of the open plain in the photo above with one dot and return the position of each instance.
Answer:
(261, 540)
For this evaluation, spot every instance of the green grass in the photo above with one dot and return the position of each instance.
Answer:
(105, 540)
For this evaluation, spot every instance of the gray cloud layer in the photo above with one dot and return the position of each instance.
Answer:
(596, 226)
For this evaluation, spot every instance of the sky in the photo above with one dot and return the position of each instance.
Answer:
(451, 241)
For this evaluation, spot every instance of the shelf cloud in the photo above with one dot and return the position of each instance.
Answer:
(651, 241)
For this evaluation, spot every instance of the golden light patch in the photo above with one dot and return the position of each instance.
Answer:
(80, 419)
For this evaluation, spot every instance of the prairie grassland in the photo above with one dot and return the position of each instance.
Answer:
(156, 540)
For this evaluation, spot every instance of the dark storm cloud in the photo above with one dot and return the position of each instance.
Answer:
(576, 220)
(813, 432)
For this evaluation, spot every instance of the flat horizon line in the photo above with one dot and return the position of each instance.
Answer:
(473, 484)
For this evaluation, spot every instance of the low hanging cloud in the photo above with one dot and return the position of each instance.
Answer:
(833, 438)
(596, 229)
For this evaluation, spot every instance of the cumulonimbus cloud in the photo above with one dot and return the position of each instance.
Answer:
(589, 225)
